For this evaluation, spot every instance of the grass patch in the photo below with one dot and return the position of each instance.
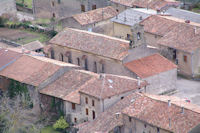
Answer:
(42, 21)
(27, 3)
(49, 129)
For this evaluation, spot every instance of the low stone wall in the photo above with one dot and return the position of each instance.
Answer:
(24, 9)
(14, 44)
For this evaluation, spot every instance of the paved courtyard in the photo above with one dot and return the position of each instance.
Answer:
(188, 89)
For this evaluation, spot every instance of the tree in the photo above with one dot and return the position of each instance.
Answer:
(61, 124)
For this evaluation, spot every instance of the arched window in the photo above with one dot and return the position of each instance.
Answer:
(138, 35)
(86, 64)
(69, 56)
(78, 61)
(95, 67)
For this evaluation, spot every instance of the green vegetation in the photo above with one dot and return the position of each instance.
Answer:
(49, 129)
(61, 124)
(196, 8)
(42, 21)
(24, 3)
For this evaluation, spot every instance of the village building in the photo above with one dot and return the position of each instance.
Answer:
(35, 46)
(183, 14)
(91, 19)
(95, 52)
(64, 8)
(83, 95)
(160, 114)
(109, 121)
(8, 7)
(182, 45)
(123, 22)
(121, 5)
(158, 71)
(34, 72)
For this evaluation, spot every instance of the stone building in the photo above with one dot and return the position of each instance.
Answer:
(91, 19)
(124, 21)
(8, 7)
(159, 72)
(32, 71)
(160, 114)
(79, 102)
(64, 8)
(121, 5)
(182, 45)
(35, 46)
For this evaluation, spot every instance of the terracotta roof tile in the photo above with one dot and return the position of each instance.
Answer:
(184, 37)
(29, 70)
(150, 65)
(155, 111)
(93, 43)
(95, 16)
(67, 86)
(32, 46)
(107, 85)
(7, 57)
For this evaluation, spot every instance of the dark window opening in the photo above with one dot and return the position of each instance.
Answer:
(73, 106)
(93, 114)
(103, 68)
(78, 61)
(185, 58)
(138, 36)
(70, 58)
(61, 57)
(95, 67)
(54, 15)
(52, 3)
(158, 130)
(122, 97)
(128, 36)
(86, 100)
(86, 111)
(75, 120)
(52, 54)
(86, 64)
(93, 103)
(94, 7)
(129, 119)
(59, 1)
(82, 8)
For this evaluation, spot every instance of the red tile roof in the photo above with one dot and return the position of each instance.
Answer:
(153, 4)
(67, 86)
(158, 25)
(95, 16)
(29, 70)
(107, 85)
(183, 37)
(7, 57)
(93, 43)
(150, 65)
(107, 120)
(155, 111)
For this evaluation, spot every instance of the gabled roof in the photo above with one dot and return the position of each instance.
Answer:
(68, 85)
(153, 4)
(107, 85)
(133, 16)
(108, 120)
(29, 70)
(183, 37)
(32, 46)
(94, 43)
(150, 65)
(184, 14)
(155, 110)
(95, 16)
(158, 25)
(7, 57)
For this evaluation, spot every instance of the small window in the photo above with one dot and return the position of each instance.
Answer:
(138, 35)
(145, 125)
(52, 3)
(128, 36)
(95, 67)
(52, 54)
(117, 10)
(86, 64)
(94, 7)
(158, 130)
(73, 106)
(93, 103)
(86, 111)
(78, 61)
(122, 97)
(156, 36)
(103, 68)
(93, 114)
(86, 100)
(59, 1)
(61, 57)
(82, 8)
(54, 15)
(185, 58)
(129, 119)
(75, 120)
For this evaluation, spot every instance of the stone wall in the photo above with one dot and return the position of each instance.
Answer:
(8, 6)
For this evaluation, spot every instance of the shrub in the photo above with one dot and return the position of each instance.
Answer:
(61, 124)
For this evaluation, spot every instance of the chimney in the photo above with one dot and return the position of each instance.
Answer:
(169, 103)
(182, 110)
(187, 21)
